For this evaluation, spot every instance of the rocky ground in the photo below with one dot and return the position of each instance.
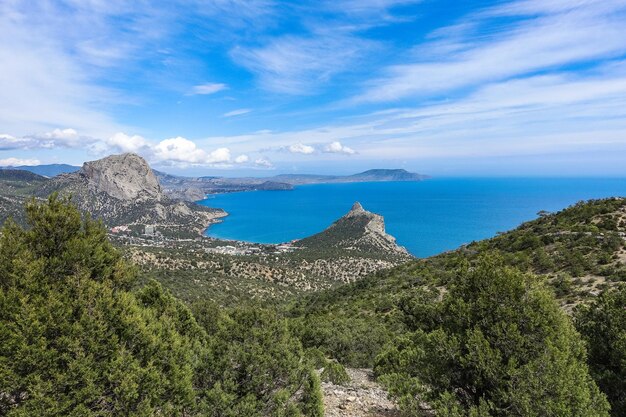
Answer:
(361, 397)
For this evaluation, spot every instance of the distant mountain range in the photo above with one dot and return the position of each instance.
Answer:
(196, 188)
(50, 170)
(372, 175)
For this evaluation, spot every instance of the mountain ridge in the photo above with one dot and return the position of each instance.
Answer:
(46, 170)
(196, 188)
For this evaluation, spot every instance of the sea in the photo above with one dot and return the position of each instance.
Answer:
(426, 217)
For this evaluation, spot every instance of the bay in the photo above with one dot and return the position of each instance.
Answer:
(426, 217)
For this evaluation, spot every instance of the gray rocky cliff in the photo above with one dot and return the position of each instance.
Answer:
(125, 177)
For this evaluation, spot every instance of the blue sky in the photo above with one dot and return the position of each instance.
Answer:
(260, 87)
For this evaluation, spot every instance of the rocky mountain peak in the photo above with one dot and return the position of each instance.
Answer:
(371, 222)
(358, 229)
(125, 177)
(356, 209)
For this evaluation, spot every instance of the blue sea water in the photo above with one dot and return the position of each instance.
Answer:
(427, 217)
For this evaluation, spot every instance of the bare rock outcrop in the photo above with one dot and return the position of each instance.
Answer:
(123, 190)
(125, 177)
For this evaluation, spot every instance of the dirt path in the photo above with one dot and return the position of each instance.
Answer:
(362, 397)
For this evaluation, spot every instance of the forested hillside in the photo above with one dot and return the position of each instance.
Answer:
(569, 257)
(486, 330)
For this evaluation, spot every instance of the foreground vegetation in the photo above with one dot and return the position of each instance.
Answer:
(477, 332)
(76, 341)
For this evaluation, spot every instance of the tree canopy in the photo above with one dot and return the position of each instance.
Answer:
(603, 326)
(497, 344)
(77, 340)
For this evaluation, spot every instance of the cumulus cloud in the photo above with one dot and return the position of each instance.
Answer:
(337, 147)
(67, 137)
(218, 156)
(177, 150)
(183, 150)
(237, 112)
(208, 88)
(126, 143)
(13, 162)
(241, 159)
(8, 142)
(263, 162)
(301, 148)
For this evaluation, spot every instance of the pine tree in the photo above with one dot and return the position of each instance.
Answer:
(603, 326)
(73, 339)
(496, 345)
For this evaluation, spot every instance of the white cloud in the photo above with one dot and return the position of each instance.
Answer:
(63, 138)
(564, 112)
(43, 81)
(176, 150)
(11, 142)
(241, 159)
(126, 143)
(544, 36)
(208, 88)
(13, 162)
(297, 65)
(237, 112)
(218, 156)
(58, 138)
(301, 148)
(337, 147)
(181, 150)
(263, 163)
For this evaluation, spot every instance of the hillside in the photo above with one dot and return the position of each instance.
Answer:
(16, 187)
(353, 247)
(422, 320)
(358, 230)
(123, 190)
(577, 252)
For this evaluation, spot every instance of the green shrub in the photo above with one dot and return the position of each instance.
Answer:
(497, 344)
(335, 372)
(603, 326)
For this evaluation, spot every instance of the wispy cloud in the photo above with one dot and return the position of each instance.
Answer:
(545, 35)
(297, 65)
(567, 112)
(13, 162)
(518, 77)
(237, 112)
(208, 88)
(55, 139)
